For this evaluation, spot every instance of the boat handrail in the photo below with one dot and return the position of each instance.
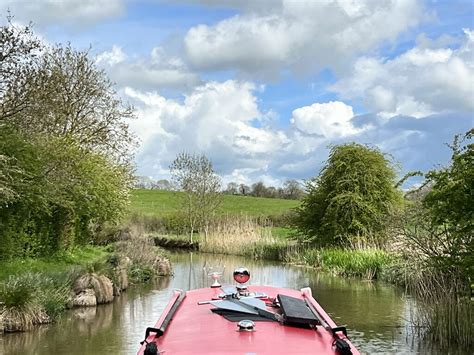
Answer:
(162, 324)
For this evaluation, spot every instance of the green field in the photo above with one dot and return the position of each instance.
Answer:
(165, 203)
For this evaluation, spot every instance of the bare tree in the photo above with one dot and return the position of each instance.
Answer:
(292, 190)
(259, 189)
(244, 189)
(232, 188)
(195, 176)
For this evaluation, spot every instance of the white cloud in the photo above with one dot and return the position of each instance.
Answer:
(155, 72)
(223, 121)
(217, 119)
(301, 35)
(75, 12)
(330, 120)
(115, 56)
(419, 82)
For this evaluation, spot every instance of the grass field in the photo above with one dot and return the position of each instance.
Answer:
(165, 203)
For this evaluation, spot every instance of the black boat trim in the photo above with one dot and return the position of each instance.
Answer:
(169, 316)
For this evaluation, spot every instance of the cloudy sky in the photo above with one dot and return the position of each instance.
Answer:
(264, 87)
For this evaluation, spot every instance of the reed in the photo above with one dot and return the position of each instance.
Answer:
(446, 311)
(242, 235)
(32, 298)
(368, 264)
(146, 260)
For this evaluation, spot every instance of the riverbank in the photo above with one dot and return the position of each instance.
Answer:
(37, 291)
(245, 236)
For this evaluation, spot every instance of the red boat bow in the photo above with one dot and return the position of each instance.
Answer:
(189, 326)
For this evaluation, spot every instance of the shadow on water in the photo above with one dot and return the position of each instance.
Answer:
(376, 314)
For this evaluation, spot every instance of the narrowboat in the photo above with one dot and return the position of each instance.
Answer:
(245, 319)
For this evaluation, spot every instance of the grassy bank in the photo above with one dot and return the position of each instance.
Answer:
(37, 291)
(165, 203)
(78, 258)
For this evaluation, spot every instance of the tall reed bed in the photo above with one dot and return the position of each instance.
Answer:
(242, 235)
(445, 311)
(366, 263)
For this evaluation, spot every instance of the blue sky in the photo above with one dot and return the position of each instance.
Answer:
(263, 87)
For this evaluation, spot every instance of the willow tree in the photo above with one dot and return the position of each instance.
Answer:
(194, 175)
(349, 202)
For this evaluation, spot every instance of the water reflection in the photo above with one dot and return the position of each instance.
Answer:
(376, 314)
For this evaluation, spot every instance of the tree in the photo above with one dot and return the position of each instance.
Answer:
(64, 147)
(19, 50)
(350, 199)
(450, 208)
(69, 96)
(292, 190)
(244, 189)
(271, 192)
(162, 184)
(232, 188)
(259, 189)
(195, 176)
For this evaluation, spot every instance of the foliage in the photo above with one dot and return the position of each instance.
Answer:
(449, 204)
(146, 259)
(350, 199)
(437, 224)
(76, 100)
(19, 49)
(437, 243)
(33, 298)
(291, 189)
(64, 147)
(67, 195)
(16, 292)
(368, 263)
(195, 176)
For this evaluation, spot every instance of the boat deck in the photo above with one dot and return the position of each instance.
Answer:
(195, 329)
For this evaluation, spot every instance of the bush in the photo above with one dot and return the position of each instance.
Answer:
(17, 291)
(352, 196)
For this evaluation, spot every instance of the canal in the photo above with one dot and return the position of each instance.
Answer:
(377, 315)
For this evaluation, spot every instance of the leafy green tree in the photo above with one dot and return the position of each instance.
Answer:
(450, 207)
(65, 147)
(350, 200)
(70, 97)
(436, 229)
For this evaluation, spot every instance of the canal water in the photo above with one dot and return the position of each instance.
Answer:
(377, 316)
